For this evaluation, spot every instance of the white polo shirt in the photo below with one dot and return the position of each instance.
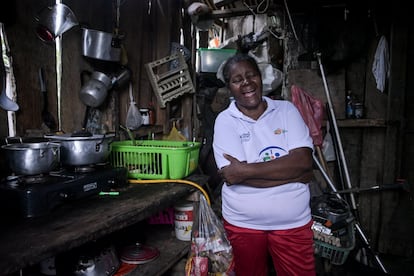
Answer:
(279, 130)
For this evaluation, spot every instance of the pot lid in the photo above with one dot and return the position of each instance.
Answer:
(75, 137)
(139, 254)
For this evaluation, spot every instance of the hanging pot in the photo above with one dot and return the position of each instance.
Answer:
(99, 45)
(80, 149)
(94, 91)
(31, 158)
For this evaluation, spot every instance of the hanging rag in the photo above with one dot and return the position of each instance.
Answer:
(312, 111)
(381, 64)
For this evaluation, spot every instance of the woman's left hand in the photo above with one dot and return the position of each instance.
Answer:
(232, 173)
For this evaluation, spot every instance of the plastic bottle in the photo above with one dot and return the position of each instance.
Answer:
(349, 112)
(151, 112)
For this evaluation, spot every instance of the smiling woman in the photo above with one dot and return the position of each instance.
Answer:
(263, 150)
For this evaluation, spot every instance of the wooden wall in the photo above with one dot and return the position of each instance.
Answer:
(148, 34)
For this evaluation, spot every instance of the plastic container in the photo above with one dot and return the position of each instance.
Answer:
(211, 59)
(183, 220)
(156, 159)
(337, 255)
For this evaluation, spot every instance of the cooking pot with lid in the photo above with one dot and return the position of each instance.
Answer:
(83, 149)
(31, 158)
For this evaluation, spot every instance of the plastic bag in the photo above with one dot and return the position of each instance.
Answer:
(328, 149)
(312, 111)
(175, 135)
(134, 118)
(211, 252)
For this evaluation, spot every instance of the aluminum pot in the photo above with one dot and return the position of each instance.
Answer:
(94, 91)
(32, 158)
(79, 151)
(99, 45)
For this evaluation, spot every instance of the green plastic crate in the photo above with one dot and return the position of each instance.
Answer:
(155, 159)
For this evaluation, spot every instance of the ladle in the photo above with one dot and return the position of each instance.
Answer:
(6, 103)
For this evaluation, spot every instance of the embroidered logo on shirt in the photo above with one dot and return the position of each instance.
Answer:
(271, 153)
(279, 131)
(245, 137)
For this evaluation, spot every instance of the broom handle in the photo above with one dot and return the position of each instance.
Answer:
(338, 137)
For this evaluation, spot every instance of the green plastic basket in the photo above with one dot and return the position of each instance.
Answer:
(337, 255)
(155, 159)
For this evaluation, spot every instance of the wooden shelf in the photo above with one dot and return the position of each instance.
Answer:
(27, 242)
(349, 123)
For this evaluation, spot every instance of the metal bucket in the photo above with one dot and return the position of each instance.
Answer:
(98, 45)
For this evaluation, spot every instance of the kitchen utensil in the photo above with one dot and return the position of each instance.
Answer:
(47, 117)
(9, 85)
(134, 118)
(32, 158)
(5, 102)
(130, 135)
(54, 21)
(139, 254)
(95, 90)
(79, 150)
(98, 45)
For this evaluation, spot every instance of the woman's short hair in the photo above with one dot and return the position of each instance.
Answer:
(236, 59)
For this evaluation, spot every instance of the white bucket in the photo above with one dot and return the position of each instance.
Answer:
(183, 220)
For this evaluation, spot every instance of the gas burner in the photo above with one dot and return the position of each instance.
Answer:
(88, 168)
(84, 169)
(18, 180)
(35, 179)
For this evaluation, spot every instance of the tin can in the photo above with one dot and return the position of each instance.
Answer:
(358, 110)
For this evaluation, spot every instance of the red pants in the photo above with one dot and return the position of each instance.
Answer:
(291, 250)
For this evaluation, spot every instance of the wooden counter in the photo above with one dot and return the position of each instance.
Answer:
(28, 242)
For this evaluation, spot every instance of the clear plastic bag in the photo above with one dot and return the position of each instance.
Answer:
(211, 252)
(134, 118)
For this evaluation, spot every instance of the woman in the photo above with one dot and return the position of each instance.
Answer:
(263, 150)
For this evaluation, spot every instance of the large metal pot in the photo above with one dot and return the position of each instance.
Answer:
(32, 158)
(79, 151)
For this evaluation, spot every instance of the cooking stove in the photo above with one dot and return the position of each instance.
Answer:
(37, 195)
